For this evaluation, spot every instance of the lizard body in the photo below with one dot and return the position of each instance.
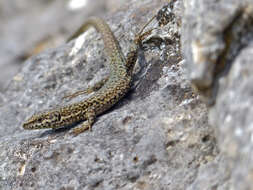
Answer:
(109, 91)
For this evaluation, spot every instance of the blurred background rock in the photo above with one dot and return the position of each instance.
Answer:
(27, 27)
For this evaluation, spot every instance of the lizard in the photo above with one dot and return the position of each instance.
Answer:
(108, 91)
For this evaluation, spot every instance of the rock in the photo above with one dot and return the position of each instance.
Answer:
(157, 137)
(217, 43)
(232, 115)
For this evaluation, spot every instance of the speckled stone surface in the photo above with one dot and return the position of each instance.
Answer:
(157, 137)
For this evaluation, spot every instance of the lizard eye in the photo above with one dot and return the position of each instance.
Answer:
(39, 120)
(58, 116)
(55, 116)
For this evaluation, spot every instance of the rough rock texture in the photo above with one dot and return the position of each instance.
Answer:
(157, 137)
(232, 114)
(217, 41)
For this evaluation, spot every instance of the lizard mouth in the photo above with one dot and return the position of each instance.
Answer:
(28, 125)
(31, 124)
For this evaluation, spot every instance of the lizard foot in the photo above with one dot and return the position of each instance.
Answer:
(76, 131)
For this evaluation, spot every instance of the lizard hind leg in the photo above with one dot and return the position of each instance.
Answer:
(132, 54)
(141, 36)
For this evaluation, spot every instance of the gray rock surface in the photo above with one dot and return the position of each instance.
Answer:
(232, 114)
(217, 41)
(157, 137)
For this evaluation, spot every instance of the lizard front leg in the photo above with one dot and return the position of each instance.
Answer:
(90, 115)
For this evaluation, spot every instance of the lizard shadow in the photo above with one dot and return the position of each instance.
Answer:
(60, 130)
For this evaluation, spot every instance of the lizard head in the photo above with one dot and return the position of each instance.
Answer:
(43, 120)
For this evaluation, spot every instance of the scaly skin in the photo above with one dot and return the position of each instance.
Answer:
(109, 92)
